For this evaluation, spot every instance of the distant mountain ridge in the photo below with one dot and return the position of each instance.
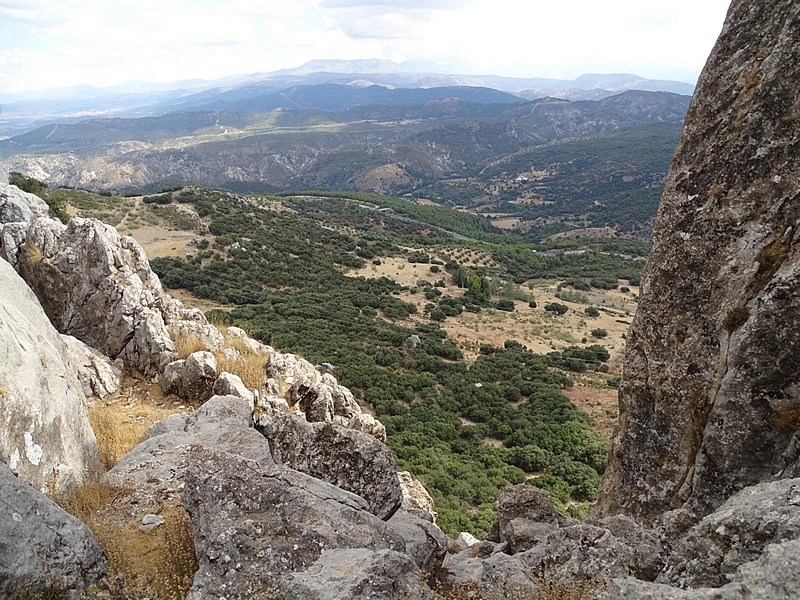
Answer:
(23, 112)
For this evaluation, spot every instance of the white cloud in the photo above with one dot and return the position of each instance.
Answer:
(48, 44)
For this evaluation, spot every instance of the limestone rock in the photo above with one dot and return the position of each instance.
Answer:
(191, 324)
(96, 373)
(237, 335)
(155, 469)
(255, 523)
(775, 575)
(288, 369)
(416, 498)
(357, 574)
(44, 551)
(527, 503)
(45, 435)
(98, 287)
(710, 399)
(322, 399)
(228, 384)
(464, 540)
(425, 542)
(532, 541)
(191, 378)
(17, 206)
(12, 238)
(348, 459)
(736, 533)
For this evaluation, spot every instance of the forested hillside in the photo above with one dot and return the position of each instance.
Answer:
(281, 268)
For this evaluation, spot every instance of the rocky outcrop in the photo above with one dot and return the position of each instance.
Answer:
(155, 469)
(191, 378)
(775, 575)
(710, 400)
(358, 574)
(44, 551)
(256, 522)
(348, 459)
(98, 376)
(712, 551)
(322, 399)
(531, 546)
(45, 435)
(98, 287)
(17, 210)
(416, 498)
(232, 385)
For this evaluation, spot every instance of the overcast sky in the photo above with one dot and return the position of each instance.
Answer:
(54, 43)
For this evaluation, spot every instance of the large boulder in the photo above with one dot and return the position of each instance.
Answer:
(98, 287)
(350, 460)
(532, 548)
(98, 376)
(45, 434)
(775, 575)
(155, 469)
(322, 399)
(712, 551)
(17, 206)
(44, 551)
(191, 378)
(255, 523)
(358, 574)
(710, 400)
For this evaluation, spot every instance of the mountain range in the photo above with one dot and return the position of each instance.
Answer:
(22, 112)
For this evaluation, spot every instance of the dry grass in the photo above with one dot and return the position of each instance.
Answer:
(160, 563)
(31, 255)
(188, 344)
(576, 589)
(120, 422)
(250, 366)
(162, 560)
(157, 564)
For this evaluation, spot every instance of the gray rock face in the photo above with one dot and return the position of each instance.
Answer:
(524, 503)
(45, 435)
(12, 237)
(191, 378)
(255, 523)
(44, 551)
(416, 498)
(530, 541)
(156, 468)
(232, 385)
(348, 459)
(425, 542)
(97, 375)
(775, 575)
(710, 401)
(17, 206)
(358, 575)
(99, 288)
(736, 533)
(322, 399)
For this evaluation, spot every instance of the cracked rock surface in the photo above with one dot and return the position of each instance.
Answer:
(710, 400)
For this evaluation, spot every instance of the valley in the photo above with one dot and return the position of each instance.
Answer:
(349, 281)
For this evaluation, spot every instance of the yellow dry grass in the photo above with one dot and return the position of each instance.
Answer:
(121, 420)
(160, 563)
(251, 367)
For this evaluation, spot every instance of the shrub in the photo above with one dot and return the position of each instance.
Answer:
(592, 311)
(599, 333)
(556, 307)
(506, 305)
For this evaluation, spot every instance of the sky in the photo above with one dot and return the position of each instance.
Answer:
(57, 43)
